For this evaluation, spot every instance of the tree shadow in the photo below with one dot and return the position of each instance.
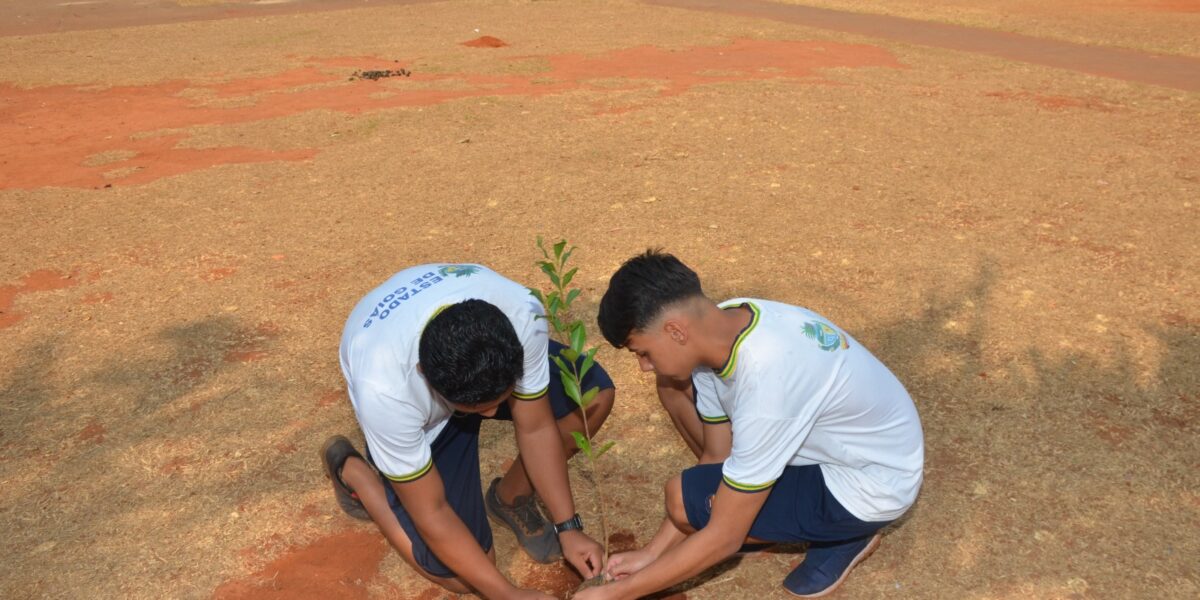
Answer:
(26, 391)
(93, 486)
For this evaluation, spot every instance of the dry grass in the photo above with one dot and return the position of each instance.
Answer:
(1025, 265)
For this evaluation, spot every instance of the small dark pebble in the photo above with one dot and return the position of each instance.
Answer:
(374, 75)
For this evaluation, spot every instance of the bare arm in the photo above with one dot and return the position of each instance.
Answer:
(678, 399)
(540, 444)
(448, 537)
(541, 449)
(733, 514)
(718, 443)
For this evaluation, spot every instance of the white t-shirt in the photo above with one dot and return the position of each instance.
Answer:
(399, 413)
(799, 391)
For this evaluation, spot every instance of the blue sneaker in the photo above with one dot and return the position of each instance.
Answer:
(826, 566)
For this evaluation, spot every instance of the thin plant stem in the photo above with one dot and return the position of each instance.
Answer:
(560, 313)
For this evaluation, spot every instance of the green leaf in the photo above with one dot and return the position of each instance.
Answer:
(554, 305)
(572, 295)
(582, 443)
(578, 336)
(588, 360)
(538, 294)
(549, 270)
(604, 448)
(566, 255)
(569, 354)
(558, 249)
(560, 327)
(566, 279)
(588, 396)
(562, 366)
(541, 246)
(570, 386)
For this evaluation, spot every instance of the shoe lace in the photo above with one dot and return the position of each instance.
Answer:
(527, 512)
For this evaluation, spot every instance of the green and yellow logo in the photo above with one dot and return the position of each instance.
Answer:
(458, 270)
(826, 337)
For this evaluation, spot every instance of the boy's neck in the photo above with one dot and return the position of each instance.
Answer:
(720, 329)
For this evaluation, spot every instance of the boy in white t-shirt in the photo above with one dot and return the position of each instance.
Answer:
(801, 434)
(427, 356)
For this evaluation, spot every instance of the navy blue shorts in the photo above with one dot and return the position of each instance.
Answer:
(456, 456)
(798, 509)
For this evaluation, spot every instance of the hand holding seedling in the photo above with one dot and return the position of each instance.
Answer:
(627, 563)
(584, 553)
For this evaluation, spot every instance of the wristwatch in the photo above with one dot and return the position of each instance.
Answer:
(574, 523)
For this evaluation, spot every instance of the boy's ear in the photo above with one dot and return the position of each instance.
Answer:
(675, 330)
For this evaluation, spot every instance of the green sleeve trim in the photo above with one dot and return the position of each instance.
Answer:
(714, 420)
(745, 487)
(419, 473)
(533, 396)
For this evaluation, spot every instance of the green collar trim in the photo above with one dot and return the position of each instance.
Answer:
(731, 363)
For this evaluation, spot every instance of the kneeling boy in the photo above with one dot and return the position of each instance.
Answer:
(802, 434)
(427, 356)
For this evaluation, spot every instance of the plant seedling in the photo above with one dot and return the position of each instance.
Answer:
(575, 360)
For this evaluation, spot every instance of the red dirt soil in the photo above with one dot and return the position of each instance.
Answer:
(486, 41)
(622, 541)
(337, 566)
(556, 579)
(37, 281)
(52, 132)
(94, 432)
(331, 398)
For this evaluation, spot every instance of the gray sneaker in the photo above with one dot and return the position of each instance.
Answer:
(334, 453)
(534, 533)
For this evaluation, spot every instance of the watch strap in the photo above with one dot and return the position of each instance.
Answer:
(572, 524)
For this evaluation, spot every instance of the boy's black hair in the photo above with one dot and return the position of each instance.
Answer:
(640, 290)
(470, 353)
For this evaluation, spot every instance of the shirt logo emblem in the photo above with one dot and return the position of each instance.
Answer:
(458, 270)
(826, 337)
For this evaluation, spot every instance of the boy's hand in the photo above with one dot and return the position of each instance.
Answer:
(625, 564)
(582, 552)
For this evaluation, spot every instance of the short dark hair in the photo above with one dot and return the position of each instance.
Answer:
(470, 353)
(640, 290)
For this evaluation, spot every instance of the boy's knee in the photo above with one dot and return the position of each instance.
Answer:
(602, 405)
(451, 584)
(673, 493)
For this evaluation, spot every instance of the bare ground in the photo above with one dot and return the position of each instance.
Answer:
(191, 209)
